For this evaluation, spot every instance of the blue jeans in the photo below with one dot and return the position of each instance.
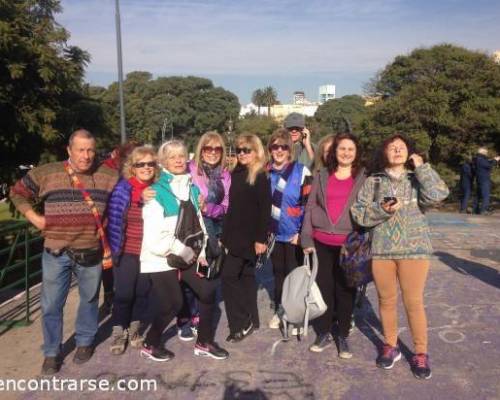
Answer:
(56, 280)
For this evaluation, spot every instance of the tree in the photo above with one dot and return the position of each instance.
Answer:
(41, 79)
(191, 105)
(446, 97)
(346, 114)
(258, 99)
(270, 98)
(262, 126)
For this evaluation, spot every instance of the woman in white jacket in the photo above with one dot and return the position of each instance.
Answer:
(162, 251)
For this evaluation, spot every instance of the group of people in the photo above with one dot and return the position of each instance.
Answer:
(477, 170)
(156, 220)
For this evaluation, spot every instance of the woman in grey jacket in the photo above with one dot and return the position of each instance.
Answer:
(327, 223)
(391, 202)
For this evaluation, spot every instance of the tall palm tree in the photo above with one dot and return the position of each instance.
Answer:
(258, 99)
(270, 98)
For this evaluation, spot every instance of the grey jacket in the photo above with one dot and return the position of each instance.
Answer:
(316, 215)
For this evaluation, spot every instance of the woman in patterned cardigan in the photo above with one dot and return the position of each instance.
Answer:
(391, 203)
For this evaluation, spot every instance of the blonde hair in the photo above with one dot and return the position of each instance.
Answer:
(169, 147)
(260, 160)
(282, 135)
(206, 138)
(318, 159)
(136, 155)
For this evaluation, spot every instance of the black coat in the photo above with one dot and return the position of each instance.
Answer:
(249, 213)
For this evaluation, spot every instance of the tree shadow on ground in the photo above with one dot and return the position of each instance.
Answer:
(369, 325)
(482, 272)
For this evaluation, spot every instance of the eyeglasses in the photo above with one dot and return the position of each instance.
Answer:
(295, 128)
(210, 149)
(150, 164)
(244, 150)
(283, 147)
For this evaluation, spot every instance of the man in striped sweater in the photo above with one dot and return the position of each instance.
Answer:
(71, 241)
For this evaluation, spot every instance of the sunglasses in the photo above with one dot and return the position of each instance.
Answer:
(150, 164)
(244, 150)
(283, 147)
(210, 149)
(295, 128)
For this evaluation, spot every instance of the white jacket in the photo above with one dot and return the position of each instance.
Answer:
(159, 231)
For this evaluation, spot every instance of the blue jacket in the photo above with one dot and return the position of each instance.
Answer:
(118, 206)
(482, 168)
(293, 202)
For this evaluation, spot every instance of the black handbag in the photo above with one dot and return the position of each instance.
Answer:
(216, 254)
(85, 257)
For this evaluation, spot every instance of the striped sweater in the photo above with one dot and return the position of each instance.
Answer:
(69, 221)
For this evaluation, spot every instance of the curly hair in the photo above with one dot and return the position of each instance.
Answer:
(136, 155)
(332, 163)
(381, 160)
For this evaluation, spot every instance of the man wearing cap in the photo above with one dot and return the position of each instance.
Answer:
(301, 138)
(74, 195)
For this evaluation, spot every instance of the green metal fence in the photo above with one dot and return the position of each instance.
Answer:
(17, 271)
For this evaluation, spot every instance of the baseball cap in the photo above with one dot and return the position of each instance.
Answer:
(294, 120)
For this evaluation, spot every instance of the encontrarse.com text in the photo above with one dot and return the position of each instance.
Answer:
(77, 385)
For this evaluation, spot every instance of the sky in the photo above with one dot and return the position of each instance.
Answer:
(291, 45)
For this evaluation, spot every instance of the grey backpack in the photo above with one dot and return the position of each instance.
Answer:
(301, 300)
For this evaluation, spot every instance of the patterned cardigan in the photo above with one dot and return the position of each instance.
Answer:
(404, 234)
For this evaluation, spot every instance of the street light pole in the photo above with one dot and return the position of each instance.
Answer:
(120, 71)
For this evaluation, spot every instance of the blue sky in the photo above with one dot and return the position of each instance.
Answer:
(291, 45)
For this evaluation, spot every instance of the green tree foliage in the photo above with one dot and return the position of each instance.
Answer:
(41, 90)
(258, 99)
(262, 126)
(269, 97)
(347, 114)
(446, 97)
(192, 105)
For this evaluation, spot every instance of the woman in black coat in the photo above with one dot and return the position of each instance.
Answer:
(244, 235)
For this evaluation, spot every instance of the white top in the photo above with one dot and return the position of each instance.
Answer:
(159, 231)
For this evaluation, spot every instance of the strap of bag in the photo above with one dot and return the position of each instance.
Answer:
(107, 261)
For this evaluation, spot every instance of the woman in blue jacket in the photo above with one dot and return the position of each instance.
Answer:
(125, 232)
(290, 187)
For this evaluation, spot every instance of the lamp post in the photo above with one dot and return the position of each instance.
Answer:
(229, 133)
(167, 119)
(120, 72)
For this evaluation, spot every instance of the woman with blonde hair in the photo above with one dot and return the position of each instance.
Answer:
(173, 246)
(124, 231)
(209, 174)
(244, 235)
(290, 187)
(322, 153)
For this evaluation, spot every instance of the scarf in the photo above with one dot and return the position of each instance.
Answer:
(215, 187)
(170, 189)
(107, 261)
(278, 196)
(137, 189)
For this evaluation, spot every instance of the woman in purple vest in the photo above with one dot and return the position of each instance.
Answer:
(209, 174)
(290, 186)
(327, 223)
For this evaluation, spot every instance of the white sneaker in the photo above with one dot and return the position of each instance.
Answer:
(274, 323)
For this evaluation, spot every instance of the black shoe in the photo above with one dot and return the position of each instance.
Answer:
(83, 354)
(210, 350)
(344, 349)
(239, 336)
(156, 353)
(420, 366)
(388, 357)
(321, 343)
(51, 366)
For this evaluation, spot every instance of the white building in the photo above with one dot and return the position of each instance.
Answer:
(326, 92)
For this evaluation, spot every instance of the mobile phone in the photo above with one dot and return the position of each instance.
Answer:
(203, 270)
(390, 200)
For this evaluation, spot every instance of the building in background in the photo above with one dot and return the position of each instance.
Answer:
(496, 56)
(326, 92)
(299, 97)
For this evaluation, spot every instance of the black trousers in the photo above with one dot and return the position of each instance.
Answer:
(168, 299)
(285, 258)
(337, 295)
(239, 290)
(131, 291)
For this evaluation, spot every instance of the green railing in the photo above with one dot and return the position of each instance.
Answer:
(16, 272)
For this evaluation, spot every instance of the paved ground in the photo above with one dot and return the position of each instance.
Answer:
(463, 306)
